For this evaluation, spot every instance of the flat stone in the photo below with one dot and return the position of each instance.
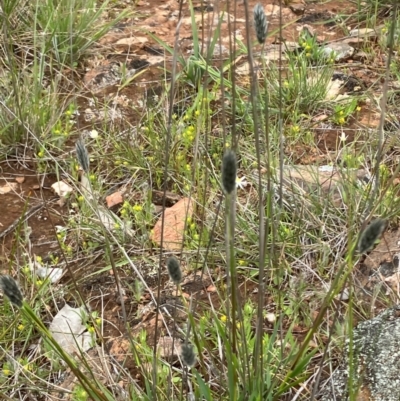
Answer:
(363, 32)
(298, 9)
(324, 182)
(342, 50)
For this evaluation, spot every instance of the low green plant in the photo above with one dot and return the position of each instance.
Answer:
(344, 110)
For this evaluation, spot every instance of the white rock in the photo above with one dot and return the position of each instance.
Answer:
(62, 189)
(342, 51)
(68, 330)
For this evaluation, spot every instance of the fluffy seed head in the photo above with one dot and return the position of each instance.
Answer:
(187, 354)
(229, 170)
(82, 155)
(369, 236)
(11, 290)
(174, 270)
(260, 23)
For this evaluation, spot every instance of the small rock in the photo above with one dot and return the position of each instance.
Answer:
(298, 9)
(363, 32)
(360, 56)
(114, 199)
(165, 348)
(62, 189)
(271, 317)
(9, 187)
(343, 295)
(342, 50)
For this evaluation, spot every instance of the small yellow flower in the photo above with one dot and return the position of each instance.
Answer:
(91, 329)
(92, 177)
(26, 270)
(296, 129)
(188, 220)
(341, 120)
(6, 372)
(81, 198)
(242, 262)
(40, 154)
(39, 283)
(308, 54)
(196, 237)
(286, 84)
(39, 259)
(358, 108)
(223, 318)
(57, 132)
(20, 327)
(98, 321)
(68, 113)
(341, 112)
(137, 208)
(307, 48)
(192, 226)
(117, 226)
(187, 167)
(197, 113)
(28, 367)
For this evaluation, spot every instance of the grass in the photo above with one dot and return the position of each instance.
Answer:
(274, 256)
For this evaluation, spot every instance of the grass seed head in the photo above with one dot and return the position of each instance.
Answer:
(229, 170)
(82, 155)
(11, 290)
(187, 355)
(372, 233)
(174, 270)
(260, 23)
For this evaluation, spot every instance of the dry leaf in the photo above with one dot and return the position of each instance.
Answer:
(20, 180)
(174, 225)
(10, 186)
(114, 199)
